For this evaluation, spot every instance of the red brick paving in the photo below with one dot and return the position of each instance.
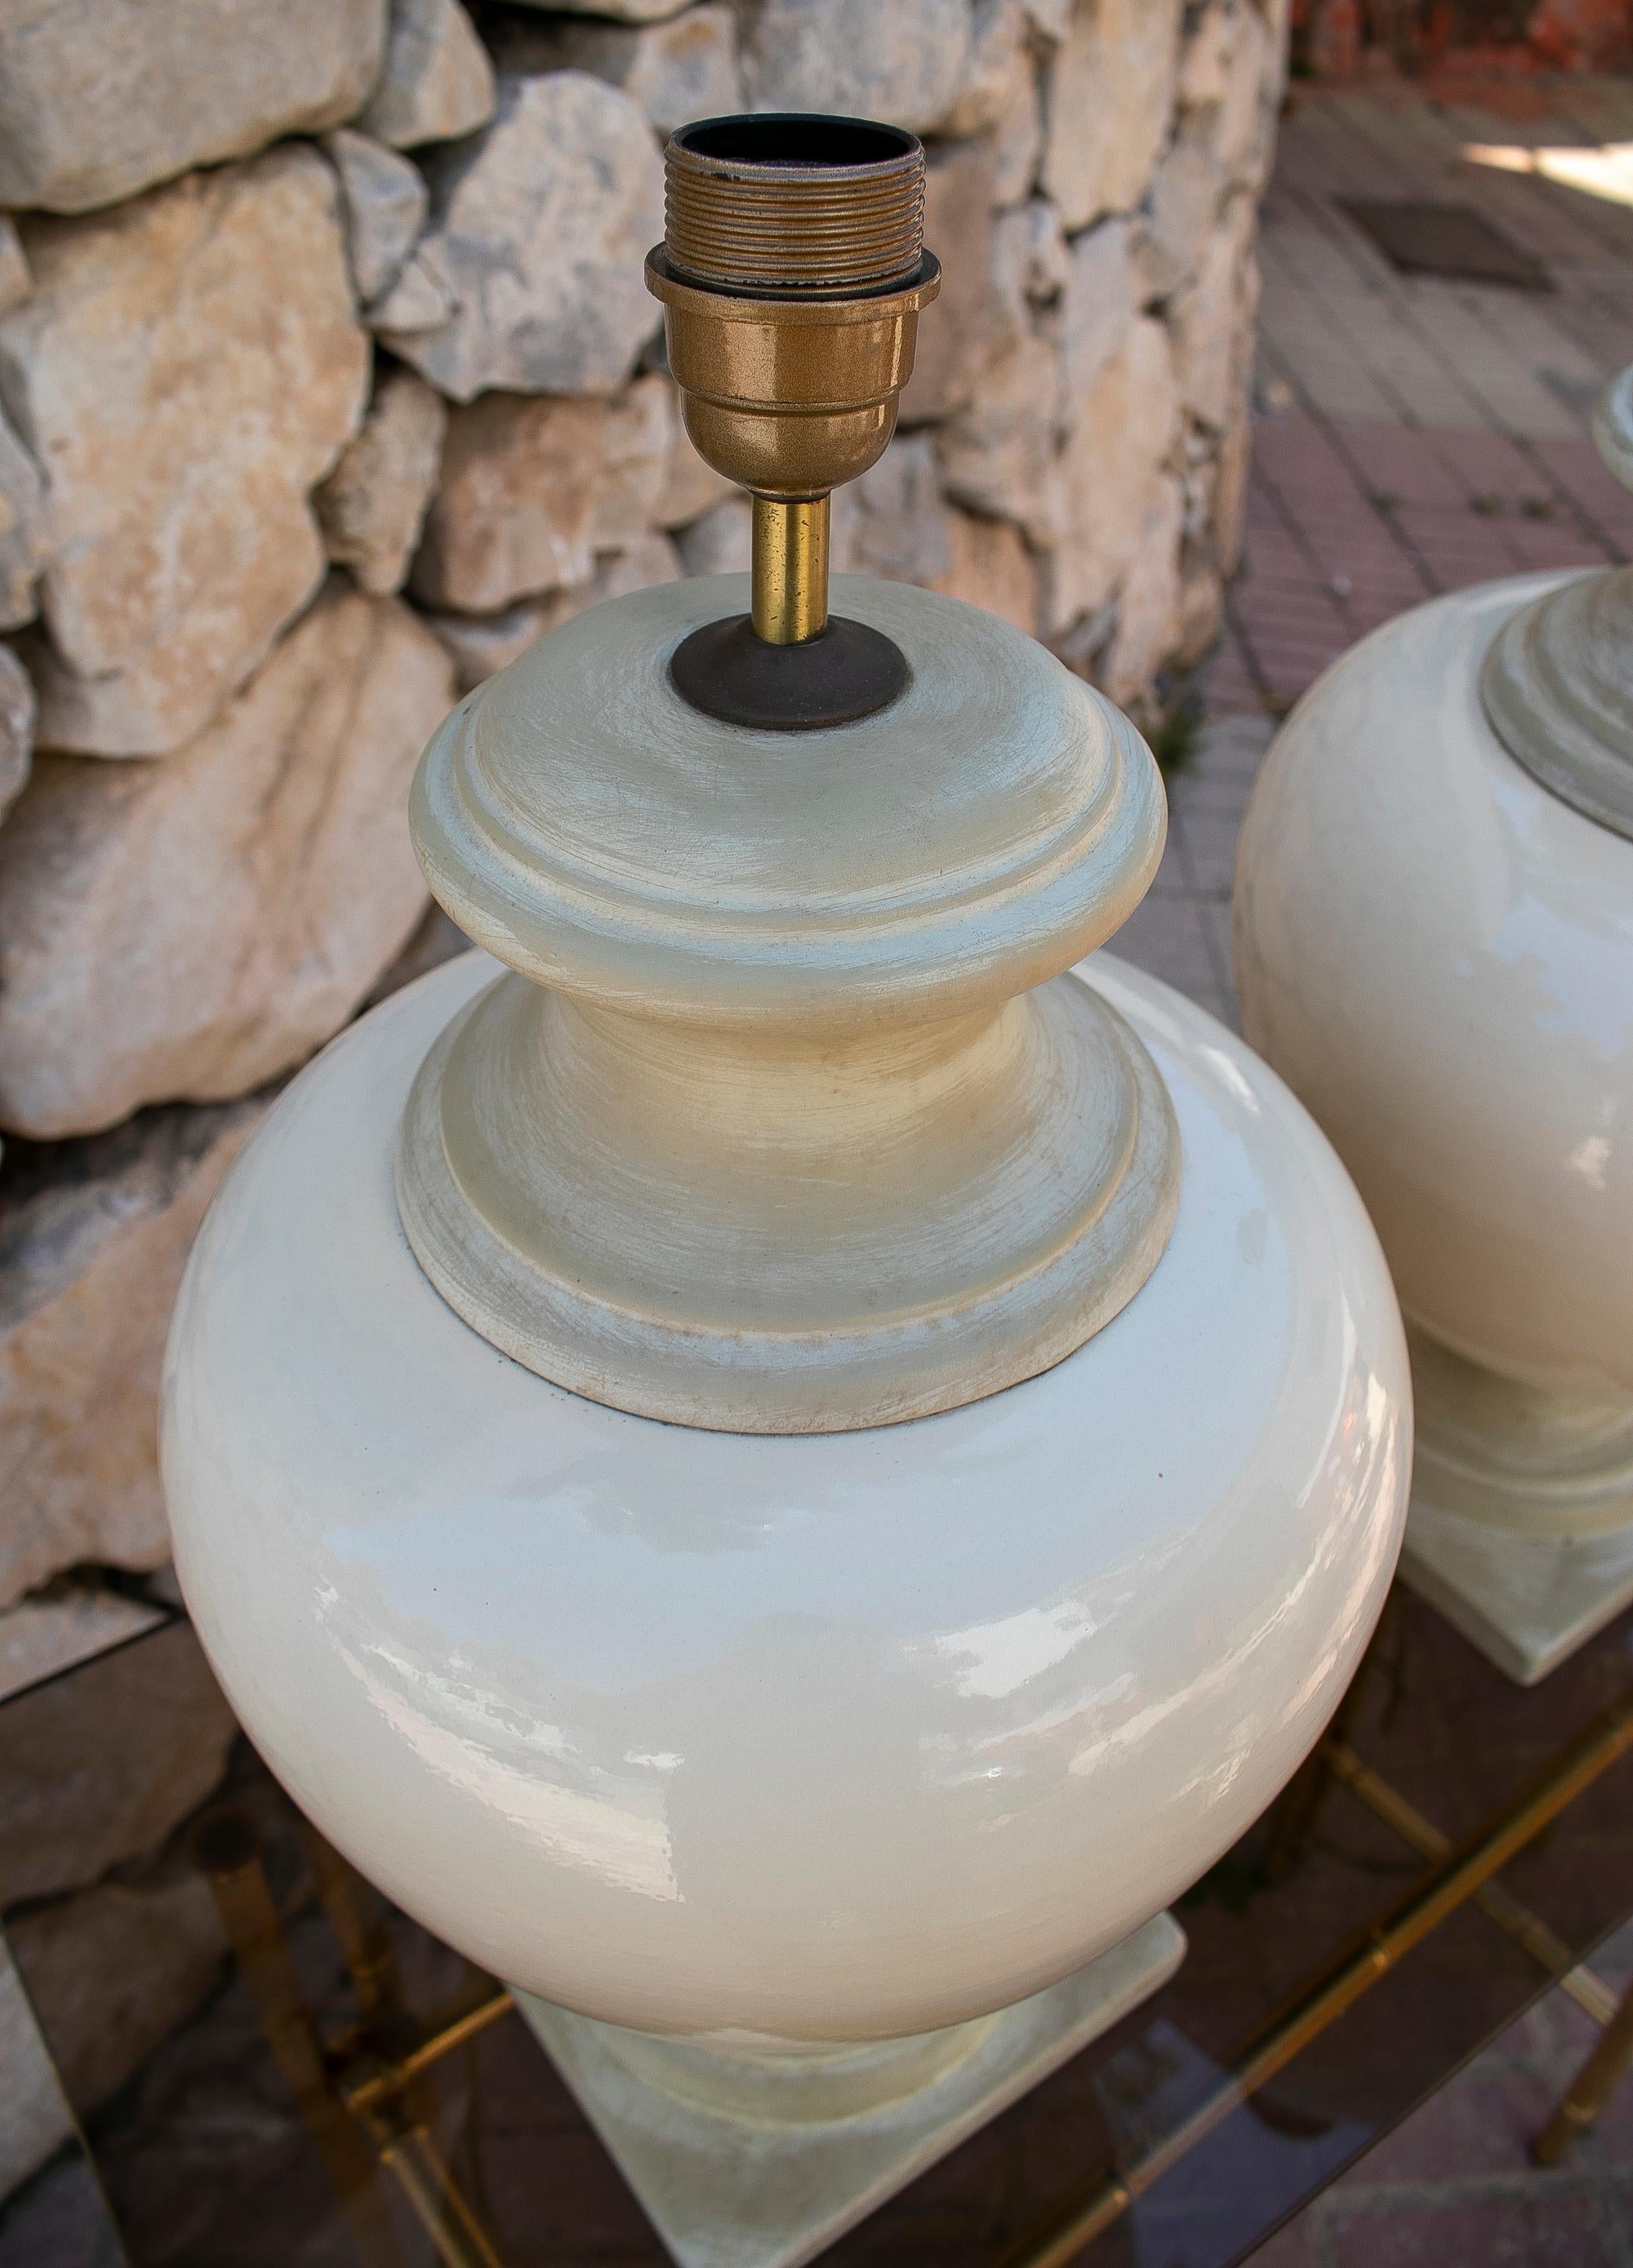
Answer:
(1413, 437)
(1417, 435)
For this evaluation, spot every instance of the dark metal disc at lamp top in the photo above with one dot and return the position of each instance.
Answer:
(847, 672)
(1446, 240)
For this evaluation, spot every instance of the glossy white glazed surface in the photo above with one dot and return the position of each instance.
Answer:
(821, 1738)
(1437, 955)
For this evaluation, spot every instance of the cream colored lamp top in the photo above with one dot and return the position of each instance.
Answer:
(779, 1126)
(1557, 681)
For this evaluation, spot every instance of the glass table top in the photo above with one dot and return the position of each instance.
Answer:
(189, 2148)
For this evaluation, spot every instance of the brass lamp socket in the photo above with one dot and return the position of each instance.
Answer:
(793, 202)
(792, 274)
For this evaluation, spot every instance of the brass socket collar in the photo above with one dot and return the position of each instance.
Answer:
(790, 397)
(790, 202)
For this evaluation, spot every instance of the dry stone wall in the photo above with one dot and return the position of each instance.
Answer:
(328, 381)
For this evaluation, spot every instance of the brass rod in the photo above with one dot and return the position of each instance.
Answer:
(226, 1848)
(357, 1920)
(391, 2078)
(1532, 1934)
(1352, 1972)
(790, 568)
(1590, 2090)
(457, 2237)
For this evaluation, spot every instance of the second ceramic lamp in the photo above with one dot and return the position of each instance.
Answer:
(1434, 942)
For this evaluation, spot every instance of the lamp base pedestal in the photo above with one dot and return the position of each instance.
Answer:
(1520, 1530)
(762, 2161)
(1527, 1601)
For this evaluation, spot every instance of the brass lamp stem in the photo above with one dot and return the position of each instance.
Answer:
(791, 272)
(790, 568)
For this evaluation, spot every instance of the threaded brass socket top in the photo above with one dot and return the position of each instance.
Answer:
(795, 204)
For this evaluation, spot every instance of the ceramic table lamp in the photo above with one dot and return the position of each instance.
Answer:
(778, 1462)
(1434, 945)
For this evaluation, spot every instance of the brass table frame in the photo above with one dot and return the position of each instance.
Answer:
(363, 2094)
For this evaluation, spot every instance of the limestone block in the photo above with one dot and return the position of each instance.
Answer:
(1031, 238)
(423, 298)
(16, 726)
(1110, 98)
(116, 1758)
(1187, 190)
(682, 69)
(543, 223)
(73, 1617)
(721, 542)
(186, 367)
(641, 448)
(481, 644)
(998, 456)
(894, 521)
(185, 931)
(625, 11)
(1230, 81)
(999, 96)
(1148, 604)
(689, 487)
(34, 2117)
(998, 37)
(373, 504)
(645, 560)
(1018, 139)
(1212, 322)
(22, 529)
(1101, 301)
(90, 1254)
(384, 202)
(116, 1969)
(1205, 58)
(531, 489)
(101, 98)
(15, 283)
(906, 64)
(954, 335)
(1123, 431)
(1253, 92)
(436, 939)
(436, 83)
(991, 566)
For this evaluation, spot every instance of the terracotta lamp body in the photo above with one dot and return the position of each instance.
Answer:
(788, 1472)
(1434, 944)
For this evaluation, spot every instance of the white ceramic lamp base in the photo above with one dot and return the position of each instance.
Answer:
(1527, 1601)
(727, 2187)
(1434, 950)
(1520, 1531)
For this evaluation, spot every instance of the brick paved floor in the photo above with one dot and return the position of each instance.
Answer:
(1413, 435)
